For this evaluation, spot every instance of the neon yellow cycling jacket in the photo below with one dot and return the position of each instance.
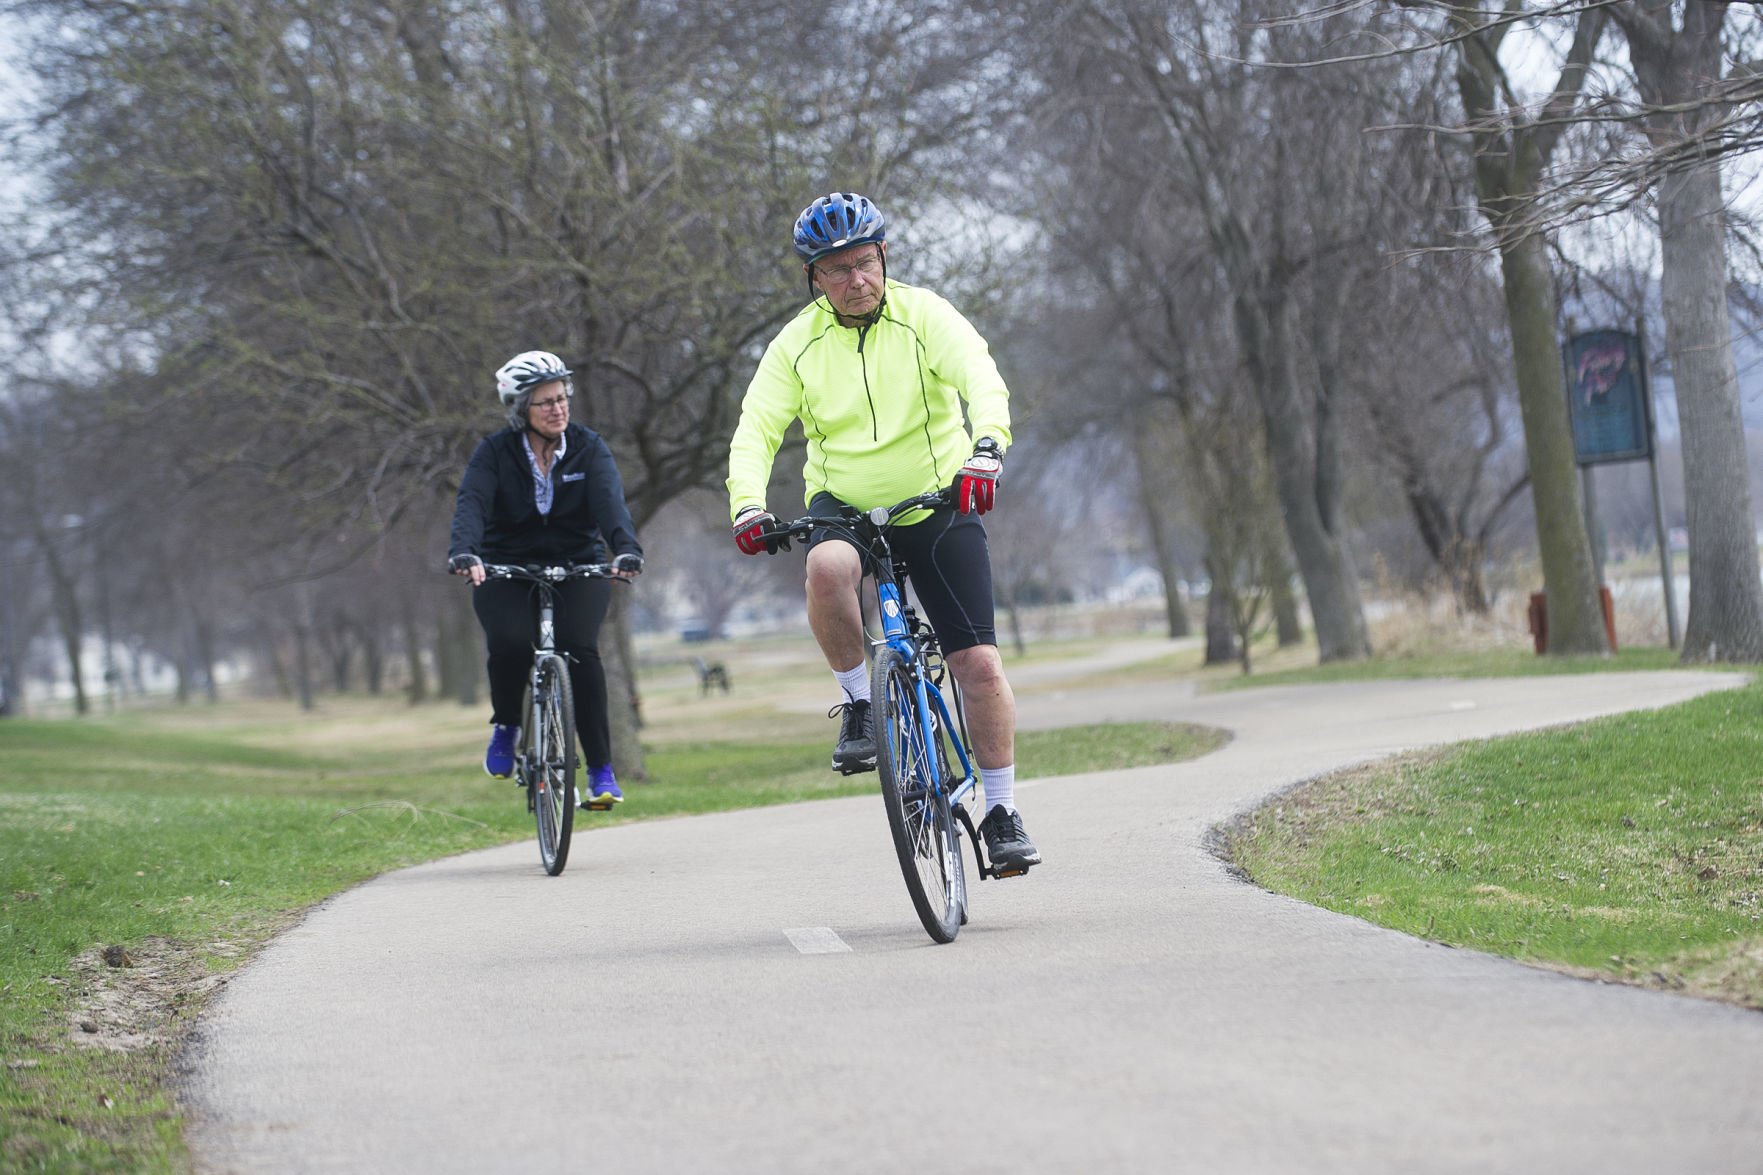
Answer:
(879, 404)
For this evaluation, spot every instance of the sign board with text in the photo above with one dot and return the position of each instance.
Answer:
(1607, 397)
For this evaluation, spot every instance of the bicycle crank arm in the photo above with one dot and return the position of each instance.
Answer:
(986, 872)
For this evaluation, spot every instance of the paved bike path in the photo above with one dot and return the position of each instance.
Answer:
(1127, 1007)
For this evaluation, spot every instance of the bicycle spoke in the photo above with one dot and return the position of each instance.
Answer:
(553, 763)
(917, 810)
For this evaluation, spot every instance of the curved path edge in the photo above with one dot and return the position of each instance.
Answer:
(750, 992)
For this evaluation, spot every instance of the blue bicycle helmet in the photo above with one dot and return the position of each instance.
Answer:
(837, 222)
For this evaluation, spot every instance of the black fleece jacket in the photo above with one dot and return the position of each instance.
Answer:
(497, 516)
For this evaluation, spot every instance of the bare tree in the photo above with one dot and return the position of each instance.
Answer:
(1434, 373)
(1677, 50)
(321, 234)
(1225, 470)
(1177, 82)
(1512, 149)
(1161, 505)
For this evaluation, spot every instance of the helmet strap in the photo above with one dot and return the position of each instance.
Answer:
(874, 316)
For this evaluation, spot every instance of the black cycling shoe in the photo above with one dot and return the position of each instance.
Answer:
(856, 749)
(1007, 845)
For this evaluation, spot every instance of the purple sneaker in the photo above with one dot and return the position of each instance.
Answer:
(603, 790)
(499, 758)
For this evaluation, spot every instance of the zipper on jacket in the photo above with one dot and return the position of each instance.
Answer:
(863, 365)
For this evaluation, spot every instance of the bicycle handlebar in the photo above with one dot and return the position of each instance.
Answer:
(880, 517)
(552, 573)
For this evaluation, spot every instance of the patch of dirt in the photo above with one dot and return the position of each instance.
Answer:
(1325, 801)
(1733, 977)
(143, 996)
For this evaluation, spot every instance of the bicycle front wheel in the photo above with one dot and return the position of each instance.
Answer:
(551, 762)
(917, 805)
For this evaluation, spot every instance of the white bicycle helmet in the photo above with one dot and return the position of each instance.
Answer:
(526, 371)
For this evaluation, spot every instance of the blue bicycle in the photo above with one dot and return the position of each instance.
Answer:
(916, 728)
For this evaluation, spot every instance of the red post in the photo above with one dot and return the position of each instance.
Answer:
(1539, 618)
(1609, 606)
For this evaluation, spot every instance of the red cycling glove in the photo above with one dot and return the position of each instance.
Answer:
(976, 485)
(757, 532)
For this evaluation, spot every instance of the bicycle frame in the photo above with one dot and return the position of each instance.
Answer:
(897, 634)
(532, 733)
(900, 632)
(545, 580)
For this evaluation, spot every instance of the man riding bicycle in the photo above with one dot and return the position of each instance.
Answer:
(878, 371)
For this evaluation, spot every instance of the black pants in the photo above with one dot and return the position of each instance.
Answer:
(509, 613)
(950, 566)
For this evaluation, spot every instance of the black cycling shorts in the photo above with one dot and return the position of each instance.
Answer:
(949, 567)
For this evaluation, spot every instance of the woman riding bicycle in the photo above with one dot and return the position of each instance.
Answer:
(543, 490)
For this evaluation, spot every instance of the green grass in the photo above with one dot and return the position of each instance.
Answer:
(188, 842)
(1629, 847)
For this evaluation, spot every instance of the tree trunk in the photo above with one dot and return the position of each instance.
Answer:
(67, 617)
(416, 688)
(1221, 646)
(1512, 149)
(1288, 628)
(11, 668)
(1675, 69)
(1013, 615)
(452, 668)
(1576, 618)
(204, 652)
(468, 651)
(1245, 610)
(303, 663)
(272, 659)
(1175, 610)
(623, 701)
(1725, 620)
(342, 656)
(1468, 586)
(1443, 531)
(1299, 469)
(1156, 506)
(186, 661)
(373, 659)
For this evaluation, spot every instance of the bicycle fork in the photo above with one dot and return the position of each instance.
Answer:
(533, 749)
(931, 708)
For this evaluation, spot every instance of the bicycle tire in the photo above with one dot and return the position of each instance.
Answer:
(917, 806)
(551, 763)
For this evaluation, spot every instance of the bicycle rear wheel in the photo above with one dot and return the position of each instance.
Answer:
(551, 762)
(917, 806)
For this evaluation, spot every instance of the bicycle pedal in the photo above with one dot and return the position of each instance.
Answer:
(591, 806)
(1001, 874)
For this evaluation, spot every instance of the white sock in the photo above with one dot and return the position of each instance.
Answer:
(1000, 786)
(855, 682)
